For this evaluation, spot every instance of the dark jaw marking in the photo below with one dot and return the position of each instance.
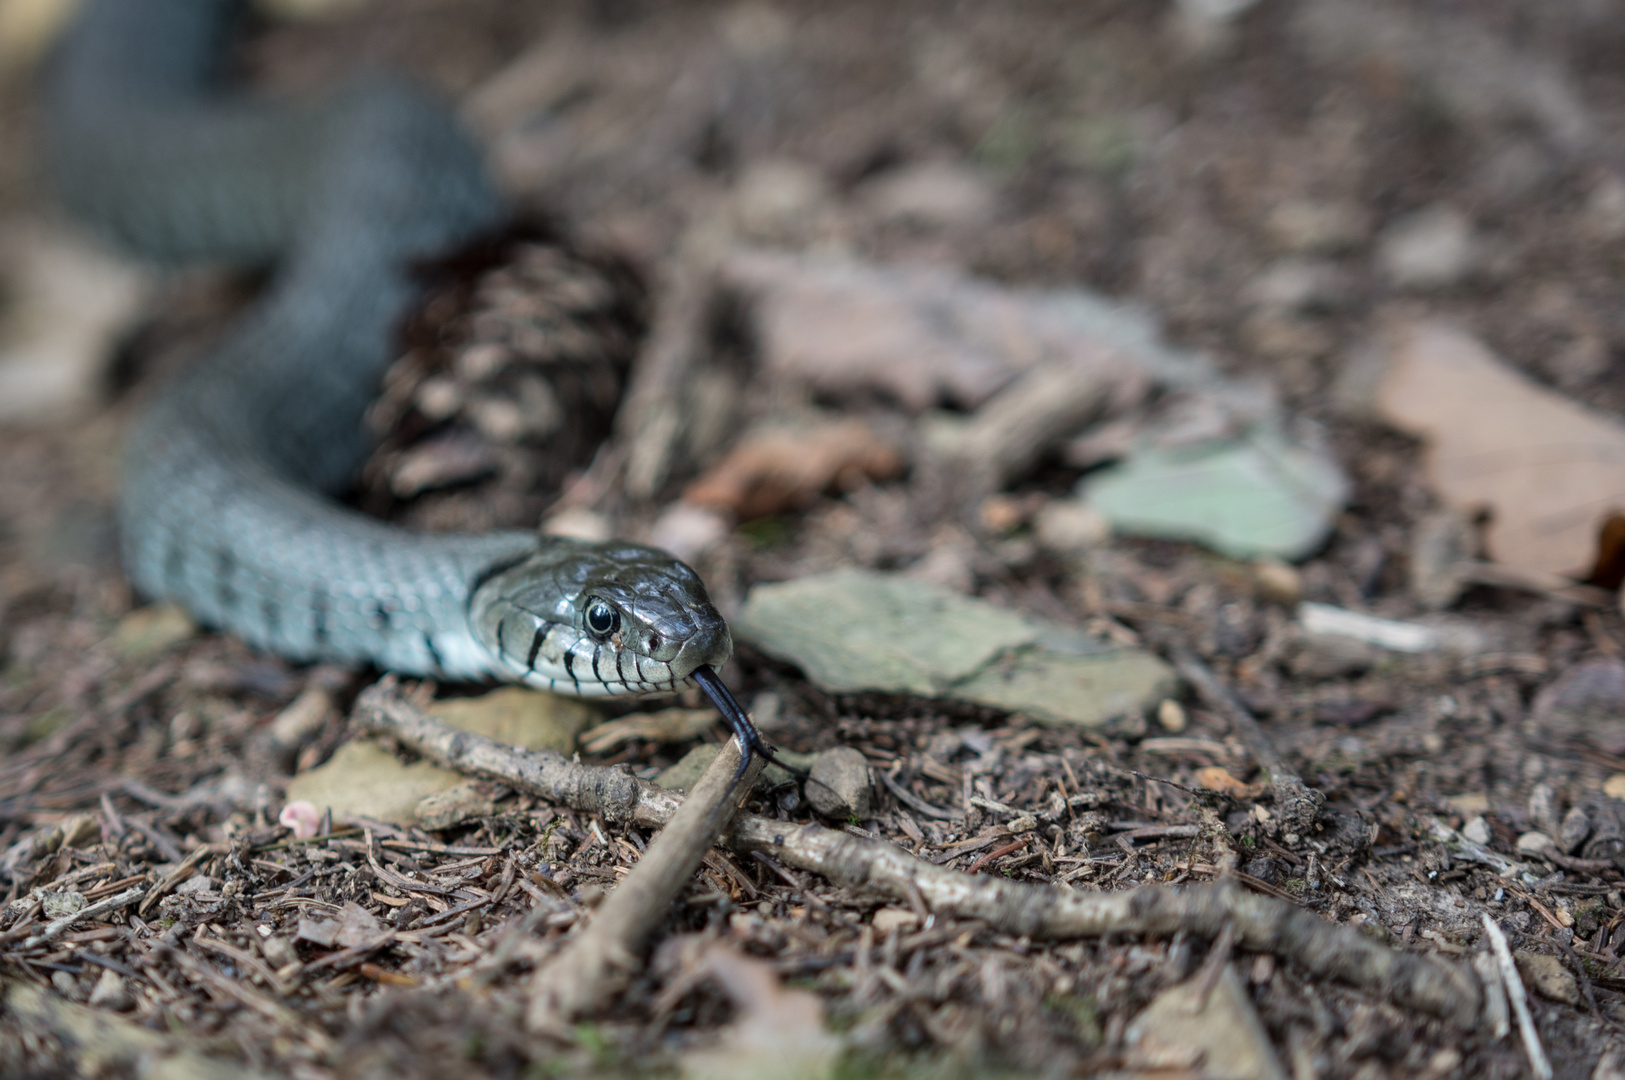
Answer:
(536, 641)
(597, 653)
(318, 609)
(570, 669)
(434, 653)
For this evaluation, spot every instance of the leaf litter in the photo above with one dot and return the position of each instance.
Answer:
(163, 774)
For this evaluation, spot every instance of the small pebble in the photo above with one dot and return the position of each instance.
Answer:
(1477, 830)
(888, 919)
(839, 786)
(1431, 249)
(1066, 526)
(1535, 842)
(1573, 831)
(110, 992)
(1614, 786)
(1278, 581)
(1171, 715)
(1542, 808)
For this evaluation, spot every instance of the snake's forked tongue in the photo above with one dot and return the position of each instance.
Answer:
(750, 740)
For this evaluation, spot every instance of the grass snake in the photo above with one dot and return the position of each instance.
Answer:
(227, 501)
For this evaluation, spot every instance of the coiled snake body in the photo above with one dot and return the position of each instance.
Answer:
(224, 507)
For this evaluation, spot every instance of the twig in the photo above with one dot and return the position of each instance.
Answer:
(599, 960)
(57, 927)
(1297, 804)
(1263, 924)
(909, 799)
(1539, 1067)
(1218, 958)
(998, 853)
(653, 422)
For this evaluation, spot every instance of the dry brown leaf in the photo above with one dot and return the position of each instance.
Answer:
(779, 468)
(1549, 471)
(926, 336)
(1217, 778)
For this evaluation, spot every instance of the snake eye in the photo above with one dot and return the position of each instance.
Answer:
(602, 620)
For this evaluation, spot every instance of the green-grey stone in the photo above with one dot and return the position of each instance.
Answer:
(855, 630)
(1082, 691)
(1249, 497)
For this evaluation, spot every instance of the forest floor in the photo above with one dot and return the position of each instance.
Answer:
(1277, 188)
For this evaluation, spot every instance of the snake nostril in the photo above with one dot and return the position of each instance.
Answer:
(654, 643)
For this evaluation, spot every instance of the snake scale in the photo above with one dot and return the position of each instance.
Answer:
(226, 506)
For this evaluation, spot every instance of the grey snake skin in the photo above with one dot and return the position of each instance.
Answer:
(226, 503)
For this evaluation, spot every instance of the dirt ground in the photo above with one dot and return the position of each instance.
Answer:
(1114, 145)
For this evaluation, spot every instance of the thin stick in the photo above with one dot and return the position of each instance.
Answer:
(57, 927)
(601, 959)
(1297, 804)
(1539, 1067)
(1263, 923)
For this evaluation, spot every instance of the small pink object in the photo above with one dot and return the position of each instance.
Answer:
(302, 817)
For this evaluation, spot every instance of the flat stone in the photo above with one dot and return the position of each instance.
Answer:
(363, 779)
(517, 716)
(1220, 1040)
(853, 631)
(840, 786)
(1076, 691)
(148, 631)
(1549, 978)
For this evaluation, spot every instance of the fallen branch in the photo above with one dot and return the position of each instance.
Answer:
(1262, 923)
(1297, 805)
(1539, 1067)
(600, 960)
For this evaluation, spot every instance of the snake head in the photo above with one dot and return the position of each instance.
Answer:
(599, 620)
